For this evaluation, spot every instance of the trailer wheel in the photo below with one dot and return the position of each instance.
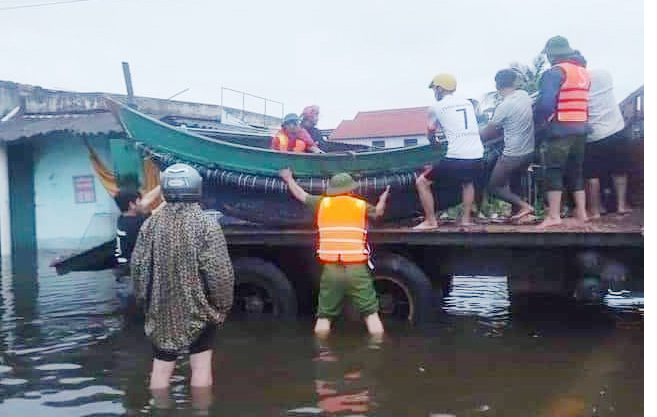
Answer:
(261, 287)
(404, 291)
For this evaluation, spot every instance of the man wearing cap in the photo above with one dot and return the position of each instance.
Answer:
(562, 108)
(343, 250)
(292, 138)
(456, 119)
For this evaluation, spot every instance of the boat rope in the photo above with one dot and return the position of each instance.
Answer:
(215, 176)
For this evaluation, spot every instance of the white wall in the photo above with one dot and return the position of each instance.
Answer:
(391, 142)
(61, 223)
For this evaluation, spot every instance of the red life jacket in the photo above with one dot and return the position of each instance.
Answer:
(283, 143)
(573, 99)
(342, 224)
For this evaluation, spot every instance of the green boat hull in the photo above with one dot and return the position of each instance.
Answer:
(251, 160)
(242, 181)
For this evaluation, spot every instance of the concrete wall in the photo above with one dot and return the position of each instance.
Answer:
(37, 100)
(9, 97)
(61, 223)
(391, 142)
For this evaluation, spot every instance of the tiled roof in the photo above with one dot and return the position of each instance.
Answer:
(384, 124)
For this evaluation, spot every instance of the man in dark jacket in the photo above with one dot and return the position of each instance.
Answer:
(562, 109)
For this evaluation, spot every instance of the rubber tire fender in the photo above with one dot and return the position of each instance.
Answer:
(265, 274)
(415, 282)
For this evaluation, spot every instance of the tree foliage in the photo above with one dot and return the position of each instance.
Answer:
(531, 74)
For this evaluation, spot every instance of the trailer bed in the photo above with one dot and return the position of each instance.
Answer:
(609, 231)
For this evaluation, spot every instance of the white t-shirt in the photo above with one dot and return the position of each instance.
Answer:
(605, 117)
(458, 122)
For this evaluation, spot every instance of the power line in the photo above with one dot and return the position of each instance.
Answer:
(26, 6)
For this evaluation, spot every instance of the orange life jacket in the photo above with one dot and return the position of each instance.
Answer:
(283, 141)
(573, 100)
(342, 223)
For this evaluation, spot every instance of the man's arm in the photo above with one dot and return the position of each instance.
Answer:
(315, 149)
(310, 142)
(275, 143)
(215, 267)
(141, 262)
(144, 205)
(546, 102)
(381, 204)
(492, 130)
(432, 126)
(296, 190)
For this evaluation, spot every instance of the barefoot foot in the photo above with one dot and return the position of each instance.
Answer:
(548, 222)
(426, 225)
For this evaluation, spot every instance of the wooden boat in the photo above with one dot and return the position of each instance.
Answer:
(242, 181)
(95, 259)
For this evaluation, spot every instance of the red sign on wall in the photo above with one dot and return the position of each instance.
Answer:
(83, 186)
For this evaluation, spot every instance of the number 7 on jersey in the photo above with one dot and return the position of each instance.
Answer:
(465, 117)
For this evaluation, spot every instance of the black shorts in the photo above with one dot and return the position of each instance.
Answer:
(607, 156)
(455, 171)
(205, 341)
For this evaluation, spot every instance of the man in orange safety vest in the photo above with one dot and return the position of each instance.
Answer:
(343, 250)
(293, 138)
(562, 109)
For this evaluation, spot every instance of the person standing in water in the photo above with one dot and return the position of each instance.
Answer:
(343, 250)
(184, 277)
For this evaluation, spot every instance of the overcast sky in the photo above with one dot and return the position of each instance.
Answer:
(345, 56)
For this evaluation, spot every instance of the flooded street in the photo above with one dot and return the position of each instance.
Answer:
(67, 351)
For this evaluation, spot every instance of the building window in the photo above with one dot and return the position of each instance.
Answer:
(410, 142)
(379, 143)
(638, 104)
(83, 187)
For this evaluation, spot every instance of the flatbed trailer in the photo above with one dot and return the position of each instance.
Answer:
(278, 273)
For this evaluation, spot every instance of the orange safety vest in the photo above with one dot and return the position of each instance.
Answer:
(299, 144)
(573, 99)
(342, 223)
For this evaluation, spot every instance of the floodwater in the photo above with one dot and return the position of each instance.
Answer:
(67, 351)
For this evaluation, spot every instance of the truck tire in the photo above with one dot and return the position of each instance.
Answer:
(261, 287)
(404, 290)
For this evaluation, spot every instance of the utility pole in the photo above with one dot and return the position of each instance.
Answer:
(128, 84)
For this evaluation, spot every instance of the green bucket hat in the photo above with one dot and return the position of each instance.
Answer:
(341, 183)
(558, 46)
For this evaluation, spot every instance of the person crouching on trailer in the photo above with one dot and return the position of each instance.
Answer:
(343, 251)
(184, 277)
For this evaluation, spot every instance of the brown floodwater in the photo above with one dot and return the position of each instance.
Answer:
(66, 350)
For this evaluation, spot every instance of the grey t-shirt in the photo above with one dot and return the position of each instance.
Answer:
(516, 117)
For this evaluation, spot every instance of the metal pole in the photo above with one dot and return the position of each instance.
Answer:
(128, 84)
(178, 93)
(264, 116)
(5, 213)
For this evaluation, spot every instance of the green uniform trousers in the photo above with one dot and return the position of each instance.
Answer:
(353, 280)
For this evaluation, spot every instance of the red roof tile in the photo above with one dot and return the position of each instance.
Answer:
(384, 123)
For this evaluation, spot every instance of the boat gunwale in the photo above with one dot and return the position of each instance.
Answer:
(116, 106)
